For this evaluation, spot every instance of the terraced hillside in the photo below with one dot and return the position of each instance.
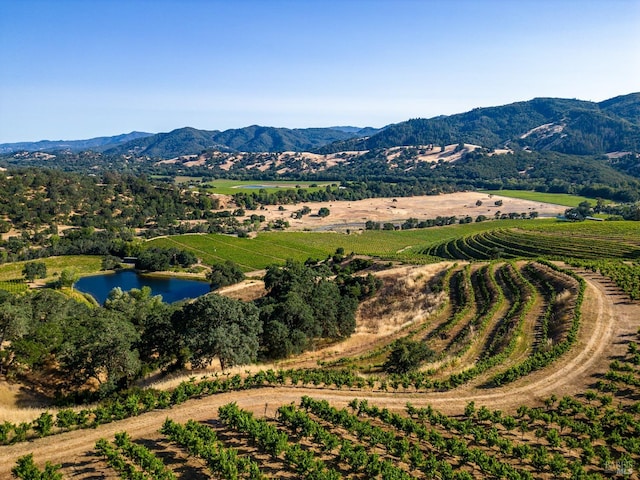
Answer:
(535, 375)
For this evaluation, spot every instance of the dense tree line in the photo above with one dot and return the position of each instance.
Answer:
(50, 337)
(371, 175)
(303, 305)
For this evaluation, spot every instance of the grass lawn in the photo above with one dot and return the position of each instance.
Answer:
(555, 198)
(229, 187)
(83, 264)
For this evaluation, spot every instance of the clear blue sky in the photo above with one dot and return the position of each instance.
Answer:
(79, 69)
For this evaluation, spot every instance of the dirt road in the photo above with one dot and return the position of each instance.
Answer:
(607, 318)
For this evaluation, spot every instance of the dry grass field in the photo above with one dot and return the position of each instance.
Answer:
(344, 214)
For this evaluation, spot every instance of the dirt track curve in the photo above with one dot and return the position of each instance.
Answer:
(608, 317)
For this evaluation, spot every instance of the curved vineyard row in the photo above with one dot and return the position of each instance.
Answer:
(505, 243)
(625, 275)
(543, 357)
(461, 296)
(490, 298)
(595, 434)
(585, 436)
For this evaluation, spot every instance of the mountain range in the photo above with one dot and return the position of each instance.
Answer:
(561, 125)
(543, 124)
(187, 140)
(96, 144)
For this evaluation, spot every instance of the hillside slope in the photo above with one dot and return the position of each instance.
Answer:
(561, 125)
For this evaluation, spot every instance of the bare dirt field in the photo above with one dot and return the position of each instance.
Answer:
(346, 214)
(608, 318)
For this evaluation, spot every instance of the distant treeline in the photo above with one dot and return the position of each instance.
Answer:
(371, 175)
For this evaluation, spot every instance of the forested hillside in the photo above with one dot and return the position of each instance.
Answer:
(561, 125)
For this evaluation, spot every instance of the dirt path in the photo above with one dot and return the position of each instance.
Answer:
(608, 318)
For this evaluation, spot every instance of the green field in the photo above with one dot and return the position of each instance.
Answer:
(276, 247)
(229, 187)
(83, 264)
(555, 198)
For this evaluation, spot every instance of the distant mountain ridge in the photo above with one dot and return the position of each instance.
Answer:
(255, 138)
(570, 126)
(97, 144)
(188, 140)
(563, 125)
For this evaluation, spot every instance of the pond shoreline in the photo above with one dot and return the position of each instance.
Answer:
(172, 288)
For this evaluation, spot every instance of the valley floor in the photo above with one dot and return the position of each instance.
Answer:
(353, 215)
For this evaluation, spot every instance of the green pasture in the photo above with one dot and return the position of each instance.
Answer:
(555, 198)
(83, 264)
(230, 187)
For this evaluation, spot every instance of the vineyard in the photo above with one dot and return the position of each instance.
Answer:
(503, 239)
(497, 324)
(511, 243)
(592, 435)
(534, 372)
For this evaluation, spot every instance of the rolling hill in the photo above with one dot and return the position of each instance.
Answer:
(97, 144)
(542, 124)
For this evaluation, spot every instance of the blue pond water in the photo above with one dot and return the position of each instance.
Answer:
(171, 289)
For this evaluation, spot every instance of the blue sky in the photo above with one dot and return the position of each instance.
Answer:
(79, 69)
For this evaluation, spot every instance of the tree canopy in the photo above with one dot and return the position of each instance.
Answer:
(214, 326)
(407, 355)
(223, 274)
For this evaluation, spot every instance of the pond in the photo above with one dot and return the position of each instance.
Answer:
(171, 289)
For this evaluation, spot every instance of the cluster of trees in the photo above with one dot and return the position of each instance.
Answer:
(33, 270)
(223, 274)
(407, 355)
(622, 211)
(111, 244)
(41, 197)
(411, 223)
(156, 259)
(628, 211)
(579, 213)
(303, 305)
(135, 332)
